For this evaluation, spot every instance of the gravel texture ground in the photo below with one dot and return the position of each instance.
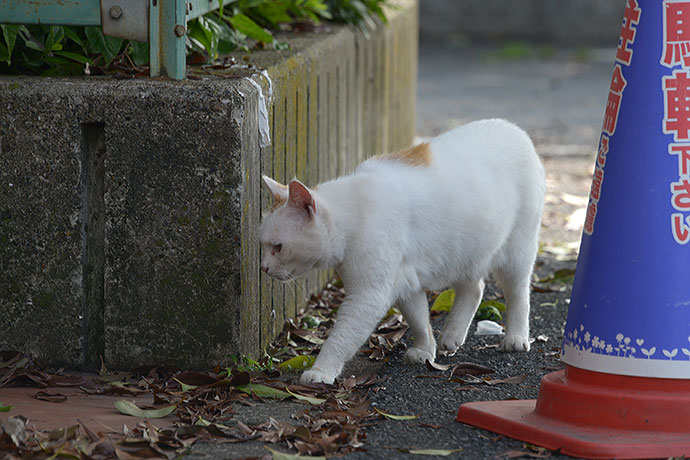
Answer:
(415, 390)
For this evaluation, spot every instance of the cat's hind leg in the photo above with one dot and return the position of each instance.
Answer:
(512, 267)
(467, 298)
(515, 289)
(415, 309)
(513, 277)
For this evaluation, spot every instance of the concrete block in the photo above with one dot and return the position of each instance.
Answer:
(123, 220)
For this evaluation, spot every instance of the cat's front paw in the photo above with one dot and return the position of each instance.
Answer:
(315, 376)
(417, 355)
(449, 344)
(515, 343)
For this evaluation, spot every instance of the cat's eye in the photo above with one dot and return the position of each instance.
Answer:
(276, 248)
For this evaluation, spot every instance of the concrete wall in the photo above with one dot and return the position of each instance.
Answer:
(578, 23)
(129, 209)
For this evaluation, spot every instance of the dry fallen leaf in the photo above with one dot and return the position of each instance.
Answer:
(461, 369)
(431, 425)
(396, 417)
(532, 452)
(434, 452)
(436, 366)
(129, 408)
(50, 397)
(511, 380)
(309, 399)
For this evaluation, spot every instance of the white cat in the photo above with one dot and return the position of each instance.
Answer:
(443, 213)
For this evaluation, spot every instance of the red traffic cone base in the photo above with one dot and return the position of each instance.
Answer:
(595, 415)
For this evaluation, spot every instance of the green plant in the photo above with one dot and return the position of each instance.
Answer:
(63, 50)
(490, 309)
(227, 29)
(360, 13)
(247, 364)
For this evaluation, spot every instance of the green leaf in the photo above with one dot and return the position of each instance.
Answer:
(54, 39)
(564, 276)
(31, 61)
(396, 417)
(309, 399)
(263, 391)
(202, 37)
(108, 46)
(129, 408)
(437, 452)
(500, 306)
(4, 408)
(310, 321)
(184, 386)
(9, 32)
(72, 35)
(298, 363)
(392, 311)
(444, 301)
(274, 13)
(246, 25)
(139, 52)
(75, 57)
(549, 304)
(200, 421)
(4, 55)
(33, 45)
(491, 310)
(488, 312)
(282, 456)
(229, 39)
(56, 60)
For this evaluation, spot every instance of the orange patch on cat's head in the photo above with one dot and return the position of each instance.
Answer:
(277, 204)
(419, 155)
(278, 191)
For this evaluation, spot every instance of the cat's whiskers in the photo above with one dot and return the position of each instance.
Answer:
(290, 282)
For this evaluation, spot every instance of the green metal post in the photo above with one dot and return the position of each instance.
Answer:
(167, 30)
(167, 38)
(154, 38)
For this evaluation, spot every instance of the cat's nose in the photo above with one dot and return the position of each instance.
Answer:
(264, 268)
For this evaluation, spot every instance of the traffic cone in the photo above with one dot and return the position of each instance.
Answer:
(625, 391)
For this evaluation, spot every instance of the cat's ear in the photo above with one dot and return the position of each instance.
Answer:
(278, 190)
(301, 197)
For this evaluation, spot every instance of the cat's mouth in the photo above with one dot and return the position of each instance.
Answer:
(281, 275)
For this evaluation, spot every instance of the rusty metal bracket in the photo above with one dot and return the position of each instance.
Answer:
(126, 19)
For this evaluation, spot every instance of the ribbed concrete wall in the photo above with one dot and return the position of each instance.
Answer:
(129, 209)
(334, 104)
